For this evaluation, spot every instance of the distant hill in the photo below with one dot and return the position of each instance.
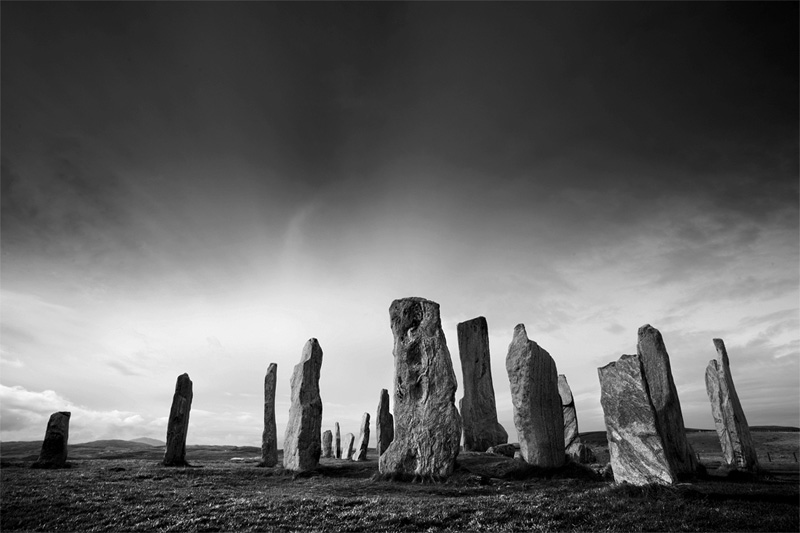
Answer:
(151, 442)
(775, 428)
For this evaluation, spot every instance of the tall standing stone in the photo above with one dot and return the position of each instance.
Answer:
(636, 448)
(54, 445)
(327, 440)
(360, 453)
(427, 431)
(178, 423)
(337, 441)
(572, 438)
(729, 419)
(385, 425)
(478, 408)
(349, 446)
(664, 398)
(269, 438)
(301, 445)
(538, 416)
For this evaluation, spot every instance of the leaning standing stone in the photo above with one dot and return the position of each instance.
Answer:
(538, 416)
(54, 446)
(385, 425)
(301, 446)
(327, 439)
(360, 453)
(349, 446)
(478, 408)
(337, 449)
(178, 423)
(729, 419)
(664, 398)
(269, 438)
(427, 430)
(636, 448)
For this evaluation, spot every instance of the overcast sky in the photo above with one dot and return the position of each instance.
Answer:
(202, 187)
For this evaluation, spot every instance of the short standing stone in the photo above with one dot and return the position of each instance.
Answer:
(729, 419)
(269, 438)
(301, 446)
(427, 433)
(178, 423)
(54, 446)
(360, 453)
(385, 425)
(349, 445)
(337, 441)
(636, 448)
(327, 440)
(538, 415)
(664, 398)
(573, 446)
(478, 408)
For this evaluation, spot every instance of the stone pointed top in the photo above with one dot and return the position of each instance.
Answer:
(520, 333)
(183, 385)
(564, 391)
(272, 368)
(722, 353)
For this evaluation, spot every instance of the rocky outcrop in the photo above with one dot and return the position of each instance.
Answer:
(477, 407)
(729, 419)
(301, 445)
(362, 443)
(634, 443)
(337, 441)
(427, 431)
(178, 423)
(327, 440)
(538, 416)
(269, 437)
(54, 445)
(385, 424)
(664, 399)
(349, 446)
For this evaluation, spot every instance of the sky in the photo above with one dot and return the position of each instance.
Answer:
(202, 187)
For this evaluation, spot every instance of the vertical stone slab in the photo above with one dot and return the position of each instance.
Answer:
(572, 438)
(349, 446)
(477, 407)
(732, 428)
(636, 448)
(664, 398)
(54, 445)
(327, 440)
(427, 433)
(178, 423)
(301, 445)
(269, 437)
(337, 448)
(385, 424)
(362, 444)
(538, 415)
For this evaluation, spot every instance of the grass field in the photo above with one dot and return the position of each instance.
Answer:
(118, 486)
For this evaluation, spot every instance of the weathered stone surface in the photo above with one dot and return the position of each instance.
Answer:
(729, 419)
(269, 438)
(178, 423)
(636, 448)
(477, 407)
(572, 438)
(337, 440)
(54, 445)
(583, 454)
(427, 433)
(507, 450)
(538, 416)
(385, 424)
(301, 445)
(362, 443)
(349, 446)
(327, 440)
(664, 399)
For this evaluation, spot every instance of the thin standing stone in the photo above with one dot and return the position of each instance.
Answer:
(301, 446)
(269, 438)
(385, 425)
(178, 423)
(360, 453)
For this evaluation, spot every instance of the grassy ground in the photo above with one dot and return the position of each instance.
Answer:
(136, 493)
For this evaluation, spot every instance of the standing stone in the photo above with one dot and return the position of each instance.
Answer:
(363, 440)
(664, 398)
(636, 448)
(477, 407)
(573, 446)
(538, 416)
(269, 438)
(327, 440)
(732, 428)
(178, 423)
(427, 430)
(301, 446)
(385, 425)
(349, 446)
(337, 450)
(54, 446)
